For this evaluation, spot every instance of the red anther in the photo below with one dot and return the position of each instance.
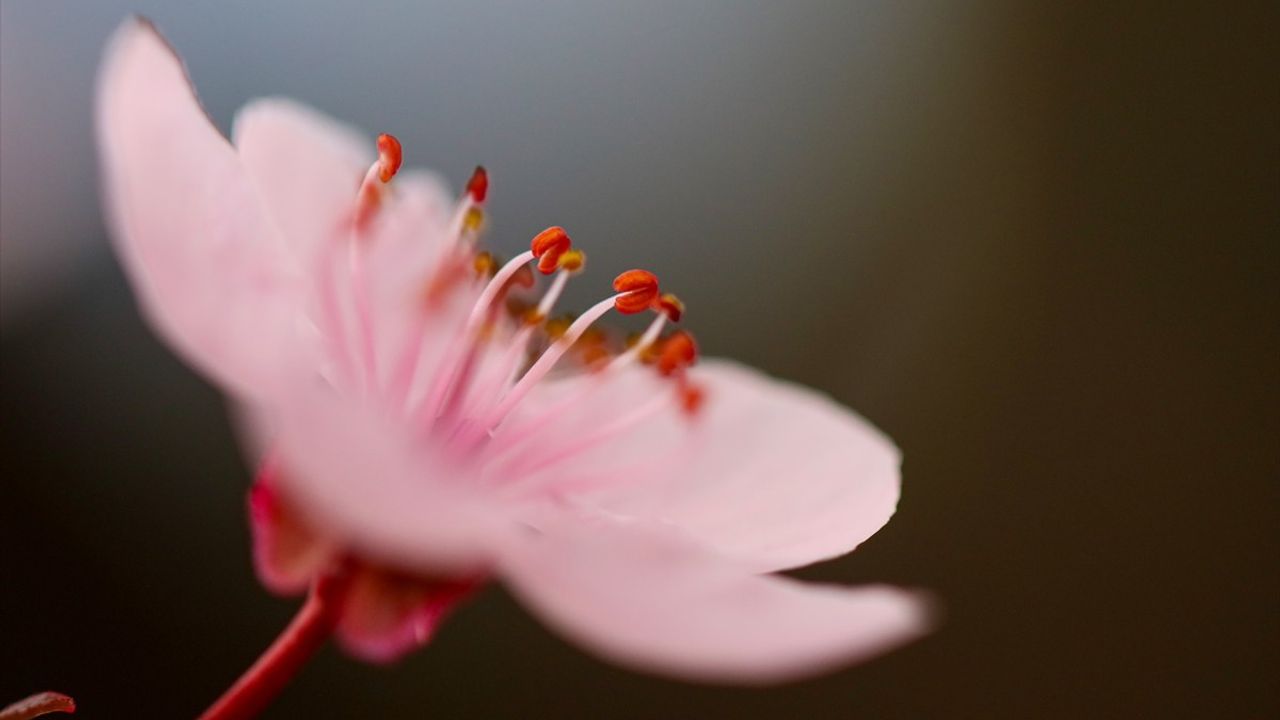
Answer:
(641, 288)
(678, 352)
(548, 246)
(478, 185)
(671, 306)
(692, 397)
(389, 157)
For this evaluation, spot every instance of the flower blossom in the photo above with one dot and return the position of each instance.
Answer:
(428, 430)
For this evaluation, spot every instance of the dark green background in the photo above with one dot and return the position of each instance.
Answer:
(1034, 242)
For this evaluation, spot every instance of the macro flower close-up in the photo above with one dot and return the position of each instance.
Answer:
(427, 425)
(637, 361)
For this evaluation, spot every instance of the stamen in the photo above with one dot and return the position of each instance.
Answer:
(473, 220)
(556, 327)
(368, 200)
(485, 264)
(643, 344)
(369, 197)
(495, 286)
(468, 219)
(466, 224)
(478, 185)
(637, 291)
(671, 306)
(679, 351)
(530, 317)
(389, 157)
(470, 337)
(573, 261)
(536, 315)
(364, 314)
(593, 348)
(547, 361)
(509, 437)
(645, 284)
(692, 397)
(548, 246)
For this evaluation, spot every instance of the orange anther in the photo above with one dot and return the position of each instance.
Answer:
(593, 336)
(478, 185)
(531, 316)
(389, 157)
(647, 354)
(548, 246)
(671, 306)
(678, 352)
(640, 288)
(594, 353)
(557, 326)
(485, 264)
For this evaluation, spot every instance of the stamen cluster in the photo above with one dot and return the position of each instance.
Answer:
(462, 403)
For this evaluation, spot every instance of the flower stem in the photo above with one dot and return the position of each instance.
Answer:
(306, 633)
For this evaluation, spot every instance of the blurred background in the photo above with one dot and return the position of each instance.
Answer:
(1035, 242)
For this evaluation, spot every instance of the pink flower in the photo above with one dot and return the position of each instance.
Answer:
(426, 439)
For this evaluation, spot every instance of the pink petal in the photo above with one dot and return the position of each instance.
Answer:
(410, 251)
(210, 271)
(770, 472)
(306, 168)
(410, 230)
(382, 494)
(288, 553)
(254, 431)
(645, 597)
(387, 614)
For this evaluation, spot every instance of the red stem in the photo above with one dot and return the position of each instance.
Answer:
(308, 631)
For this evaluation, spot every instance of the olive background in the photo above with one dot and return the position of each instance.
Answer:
(1034, 242)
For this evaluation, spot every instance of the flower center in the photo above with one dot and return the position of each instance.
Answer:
(467, 394)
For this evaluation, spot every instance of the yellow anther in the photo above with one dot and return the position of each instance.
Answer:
(557, 326)
(485, 264)
(572, 260)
